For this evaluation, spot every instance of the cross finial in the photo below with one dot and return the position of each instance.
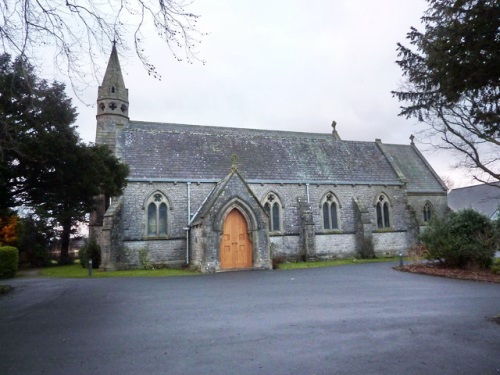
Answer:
(234, 162)
(412, 137)
(334, 131)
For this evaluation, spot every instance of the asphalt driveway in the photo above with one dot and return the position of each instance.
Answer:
(360, 319)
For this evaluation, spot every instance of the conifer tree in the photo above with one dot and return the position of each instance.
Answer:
(43, 163)
(452, 71)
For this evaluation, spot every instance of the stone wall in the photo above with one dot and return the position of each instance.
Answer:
(328, 244)
(197, 246)
(439, 203)
(159, 253)
(111, 236)
(137, 193)
(332, 246)
(285, 246)
(390, 243)
(234, 194)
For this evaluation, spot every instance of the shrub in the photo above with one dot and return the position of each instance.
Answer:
(90, 251)
(277, 260)
(9, 261)
(463, 239)
(495, 268)
(418, 253)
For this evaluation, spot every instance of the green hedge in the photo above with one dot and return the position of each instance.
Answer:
(9, 261)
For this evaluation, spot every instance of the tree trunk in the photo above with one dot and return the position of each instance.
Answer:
(65, 258)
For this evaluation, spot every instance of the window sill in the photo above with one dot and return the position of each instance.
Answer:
(148, 238)
(333, 231)
(384, 230)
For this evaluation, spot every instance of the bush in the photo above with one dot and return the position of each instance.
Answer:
(90, 251)
(9, 261)
(277, 260)
(495, 268)
(418, 253)
(463, 239)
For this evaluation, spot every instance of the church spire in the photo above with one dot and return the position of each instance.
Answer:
(112, 98)
(112, 106)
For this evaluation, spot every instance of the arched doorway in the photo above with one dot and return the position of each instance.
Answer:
(235, 246)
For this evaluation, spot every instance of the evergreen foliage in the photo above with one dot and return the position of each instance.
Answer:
(43, 163)
(36, 236)
(90, 251)
(9, 261)
(453, 80)
(463, 239)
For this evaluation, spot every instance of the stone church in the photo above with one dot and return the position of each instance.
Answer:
(220, 198)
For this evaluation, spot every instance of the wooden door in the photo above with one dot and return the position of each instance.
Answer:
(235, 247)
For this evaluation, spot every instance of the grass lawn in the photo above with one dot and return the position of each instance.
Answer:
(335, 262)
(76, 271)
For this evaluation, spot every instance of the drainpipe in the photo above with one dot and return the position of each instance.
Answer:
(307, 192)
(188, 220)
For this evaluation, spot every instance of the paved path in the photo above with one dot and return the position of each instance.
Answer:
(362, 319)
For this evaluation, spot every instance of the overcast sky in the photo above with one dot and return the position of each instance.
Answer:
(283, 65)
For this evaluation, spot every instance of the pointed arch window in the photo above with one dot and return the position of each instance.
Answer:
(157, 216)
(330, 211)
(383, 212)
(427, 211)
(272, 206)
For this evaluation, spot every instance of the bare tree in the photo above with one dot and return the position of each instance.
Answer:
(78, 31)
(451, 127)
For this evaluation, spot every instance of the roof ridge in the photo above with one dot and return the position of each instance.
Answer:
(243, 132)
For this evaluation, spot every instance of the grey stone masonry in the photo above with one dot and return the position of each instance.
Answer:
(198, 174)
(307, 230)
(231, 193)
(111, 236)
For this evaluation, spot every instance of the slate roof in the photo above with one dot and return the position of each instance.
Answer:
(193, 152)
(420, 176)
(482, 198)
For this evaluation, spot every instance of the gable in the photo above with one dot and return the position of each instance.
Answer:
(231, 184)
(419, 175)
